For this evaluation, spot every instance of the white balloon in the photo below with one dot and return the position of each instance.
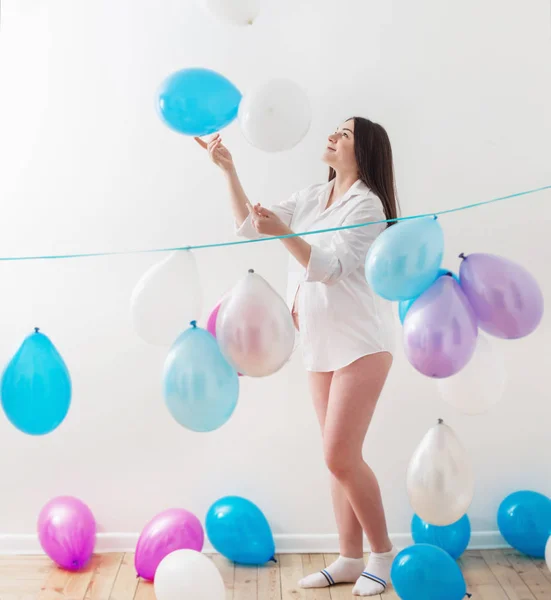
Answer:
(254, 328)
(275, 116)
(188, 575)
(440, 480)
(166, 299)
(236, 12)
(479, 385)
(548, 553)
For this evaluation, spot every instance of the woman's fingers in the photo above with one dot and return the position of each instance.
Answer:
(201, 143)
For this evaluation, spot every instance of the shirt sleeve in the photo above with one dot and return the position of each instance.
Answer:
(348, 247)
(284, 210)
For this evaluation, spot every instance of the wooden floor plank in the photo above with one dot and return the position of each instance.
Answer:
(269, 581)
(145, 591)
(312, 563)
(541, 565)
(105, 573)
(481, 582)
(55, 583)
(227, 570)
(245, 583)
(507, 577)
(291, 572)
(126, 581)
(534, 579)
(78, 583)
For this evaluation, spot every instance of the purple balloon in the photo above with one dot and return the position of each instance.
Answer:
(173, 529)
(67, 532)
(440, 330)
(506, 298)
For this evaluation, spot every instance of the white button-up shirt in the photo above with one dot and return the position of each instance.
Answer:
(341, 319)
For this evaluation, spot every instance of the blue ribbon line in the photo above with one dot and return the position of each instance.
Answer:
(277, 237)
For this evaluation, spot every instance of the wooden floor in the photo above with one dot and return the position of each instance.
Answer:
(490, 575)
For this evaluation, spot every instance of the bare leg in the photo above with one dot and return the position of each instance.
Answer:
(348, 526)
(353, 396)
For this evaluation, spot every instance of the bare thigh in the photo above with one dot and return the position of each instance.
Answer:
(320, 385)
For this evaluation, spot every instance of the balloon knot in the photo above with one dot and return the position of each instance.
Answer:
(273, 559)
(440, 421)
(251, 270)
(469, 595)
(435, 217)
(36, 329)
(75, 563)
(193, 324)
(462, 256)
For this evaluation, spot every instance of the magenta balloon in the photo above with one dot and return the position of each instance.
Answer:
(211, 323)
(506, 298)
(173, 529)
(67, 532)
(440, 330)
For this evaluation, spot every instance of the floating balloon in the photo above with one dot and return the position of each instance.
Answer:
(67, 532)
(236, 12)
(481, 384)
(506, 298)
(440, 330)
(275, 116)
(440, 479)
(238, 530)
(166, 299)
(173, 529)
(211, 323)
(453, 538)
(405, 259)
(197, 101)
(425, 572)
(36, 386)
(548, 553)
(524, 520)
(404, 305)
(188, 575)
(200, 387)
(255, 328)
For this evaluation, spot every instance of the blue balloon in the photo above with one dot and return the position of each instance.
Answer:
(425, 572)
(404, 260)
(201, 388)
(36, 386)
(238, 530)
(453, 538)
(404, 305)
(197, 101)
(524, 520)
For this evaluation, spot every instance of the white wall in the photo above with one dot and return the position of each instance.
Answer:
(85, 164)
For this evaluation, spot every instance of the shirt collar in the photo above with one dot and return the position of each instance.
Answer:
(358, 188)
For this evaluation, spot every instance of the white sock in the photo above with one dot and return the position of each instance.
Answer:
(343, 570)
(376, 576)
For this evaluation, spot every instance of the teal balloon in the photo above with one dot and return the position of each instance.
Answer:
(453, 538)
(36, 387)
(200, 387)
(426, 572)
(238, 530)
(404, 305)
(197, 101)
(405, 259)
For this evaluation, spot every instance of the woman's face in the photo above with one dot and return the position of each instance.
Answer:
(339, 153)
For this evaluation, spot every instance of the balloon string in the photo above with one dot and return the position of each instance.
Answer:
(276, 237)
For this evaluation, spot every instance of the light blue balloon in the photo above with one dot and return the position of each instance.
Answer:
(524, 520)
(238, 530)
(200, 387)
(197, 101)
(425, 572)
(453, 538)
(404, 305)
(36, 386)
(404, 260)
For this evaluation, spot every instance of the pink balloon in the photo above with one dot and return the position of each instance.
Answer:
(173, 529)
(506, 298)
(211, 323)
(67, 532)
(440, 330)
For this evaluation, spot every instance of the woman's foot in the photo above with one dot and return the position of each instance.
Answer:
(376, 576)
(343, 570)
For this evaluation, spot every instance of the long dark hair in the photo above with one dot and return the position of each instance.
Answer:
(375, 164)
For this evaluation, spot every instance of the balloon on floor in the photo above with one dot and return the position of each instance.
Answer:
(67, 532)
(187, 574)
(197, 101)
(548, 553)
(275, 115)
(36, 386)
(425, 572)
(236, 12)
(440, 480)
(201, 388)
(238, 530)
(506, 298)
(170, 530)
(166, 299)
(454, 538)
(524, 520)
(255, 328)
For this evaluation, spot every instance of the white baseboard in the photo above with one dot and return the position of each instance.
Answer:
(15, 544)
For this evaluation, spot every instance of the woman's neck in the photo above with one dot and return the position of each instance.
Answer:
(343, 182)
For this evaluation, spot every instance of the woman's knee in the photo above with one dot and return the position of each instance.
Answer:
(340, 459)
